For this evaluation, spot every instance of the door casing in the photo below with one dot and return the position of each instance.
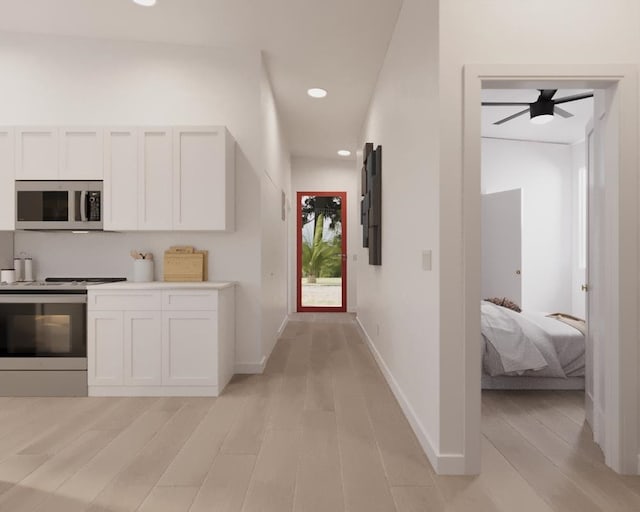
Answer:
(620, 366)
(320, 309)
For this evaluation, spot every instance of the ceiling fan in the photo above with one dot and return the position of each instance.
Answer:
(542, 110)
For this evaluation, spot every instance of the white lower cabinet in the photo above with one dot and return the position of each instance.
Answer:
(105, 348)
(172, 351)
(142, 348)
(189, 348)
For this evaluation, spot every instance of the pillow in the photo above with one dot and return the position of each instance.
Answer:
(505, 303)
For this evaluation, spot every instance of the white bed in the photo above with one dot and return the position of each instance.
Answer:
(529, 350)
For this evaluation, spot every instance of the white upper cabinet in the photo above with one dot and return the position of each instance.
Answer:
(81, 154)
(52, 153)
(120, 204)
(155, 177)
(204, 181)
(36, 153)
(7, 177)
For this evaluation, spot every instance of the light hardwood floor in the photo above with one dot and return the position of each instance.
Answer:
(318, 431)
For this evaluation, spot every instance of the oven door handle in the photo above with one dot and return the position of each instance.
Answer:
(16, 298)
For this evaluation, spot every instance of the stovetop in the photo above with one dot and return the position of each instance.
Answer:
(57, 284)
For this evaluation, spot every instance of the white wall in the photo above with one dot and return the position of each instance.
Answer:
(6, 249)
(275, 180)
(417, 115)
(50, 80)
(398, 301)
(327, 175)
(544, 173)
(528, 34)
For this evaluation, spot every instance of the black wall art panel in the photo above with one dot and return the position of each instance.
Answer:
(371, 203)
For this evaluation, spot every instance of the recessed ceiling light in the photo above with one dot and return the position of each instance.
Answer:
(344, 152)
(145, 3)
(316, 92)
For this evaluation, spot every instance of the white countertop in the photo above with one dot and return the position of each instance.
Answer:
(162, 285)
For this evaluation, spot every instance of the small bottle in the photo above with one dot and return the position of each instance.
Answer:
(18, 265)
(28, 269)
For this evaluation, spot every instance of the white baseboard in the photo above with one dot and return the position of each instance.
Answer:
(250, 368)
(444, 464)
(283, 325)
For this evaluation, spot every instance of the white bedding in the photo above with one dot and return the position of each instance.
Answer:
(529, 344)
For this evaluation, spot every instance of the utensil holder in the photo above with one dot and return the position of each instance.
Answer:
(142, 271)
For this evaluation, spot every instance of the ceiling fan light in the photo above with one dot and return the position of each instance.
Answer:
(541, 111)
(542, 119)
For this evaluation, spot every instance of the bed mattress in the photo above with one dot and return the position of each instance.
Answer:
(529, 344)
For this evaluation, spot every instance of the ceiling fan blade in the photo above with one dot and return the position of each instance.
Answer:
(575, 97)
(561, 112)
(525, 111)
(504, 104)
(547, 94)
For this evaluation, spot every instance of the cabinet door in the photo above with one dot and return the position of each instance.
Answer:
(81, 154)
(201, 180)
(155, 166)
(189, 348)
(36, 153)
(7, 181)
(105, 348)
(143, 348)
(120, 179)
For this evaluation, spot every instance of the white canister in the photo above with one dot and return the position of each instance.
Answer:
(142, 271)
(7, 275)
(18, 266)
(28, 270)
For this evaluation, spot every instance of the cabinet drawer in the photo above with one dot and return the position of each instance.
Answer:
(141, 301)
(199, 300)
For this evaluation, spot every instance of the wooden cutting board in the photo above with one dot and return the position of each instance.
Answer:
(185, 263)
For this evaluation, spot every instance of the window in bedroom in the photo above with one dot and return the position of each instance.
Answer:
(582, 217)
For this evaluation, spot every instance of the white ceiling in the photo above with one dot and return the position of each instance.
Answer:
(335, 44)
(560, 130)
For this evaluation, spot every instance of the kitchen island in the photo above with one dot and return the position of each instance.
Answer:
(160, 338)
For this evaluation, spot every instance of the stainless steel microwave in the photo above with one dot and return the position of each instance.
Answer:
(59, 205)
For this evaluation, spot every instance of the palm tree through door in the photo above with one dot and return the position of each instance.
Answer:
(321, 258)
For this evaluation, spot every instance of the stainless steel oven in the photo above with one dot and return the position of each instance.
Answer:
(59, 205)
(43, 343)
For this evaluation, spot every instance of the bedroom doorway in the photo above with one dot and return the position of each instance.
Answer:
(321, 252)
(613, 192)
(534, 237)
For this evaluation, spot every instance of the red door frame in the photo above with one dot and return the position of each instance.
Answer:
(319, 309)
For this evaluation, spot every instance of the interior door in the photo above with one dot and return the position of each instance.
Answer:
(502, 245)
(595, 280)
(322, 251)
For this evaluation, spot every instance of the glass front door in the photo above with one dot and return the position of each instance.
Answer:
(322, 260)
